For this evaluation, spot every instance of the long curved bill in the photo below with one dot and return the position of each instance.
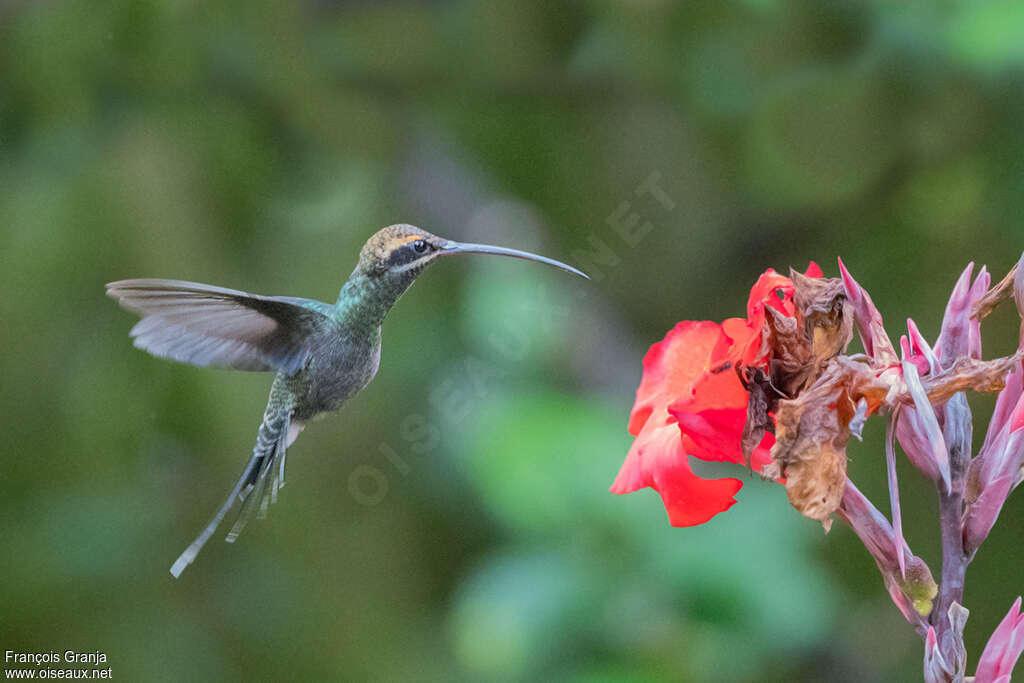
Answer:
(469, 248)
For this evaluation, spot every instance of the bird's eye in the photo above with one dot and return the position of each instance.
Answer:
(419, 246)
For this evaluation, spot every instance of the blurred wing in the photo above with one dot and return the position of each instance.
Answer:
(204, 325)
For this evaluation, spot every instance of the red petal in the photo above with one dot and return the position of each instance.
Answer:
(764, 293)
(716, 436)
(657, 460)
(746, 341)
(813, 270)
(691, 500)
(713, 435)
(672, 366)
(712, 416)
(653, 449)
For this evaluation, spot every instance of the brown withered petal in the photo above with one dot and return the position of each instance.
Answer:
(763, 399)
(811, 433)
(791, 366)
(1018, 294)
(1018, 286)
(982, 376)
(821, 305)
(999, 293)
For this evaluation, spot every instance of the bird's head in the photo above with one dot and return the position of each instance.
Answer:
(393, 257)
(398, 253)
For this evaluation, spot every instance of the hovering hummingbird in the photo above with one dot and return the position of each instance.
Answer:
(322, 354)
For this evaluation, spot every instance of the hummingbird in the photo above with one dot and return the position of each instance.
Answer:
(322, 354)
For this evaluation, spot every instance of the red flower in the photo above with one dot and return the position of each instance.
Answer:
(691, 403)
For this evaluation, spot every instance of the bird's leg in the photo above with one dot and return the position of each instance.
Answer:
(294, 429)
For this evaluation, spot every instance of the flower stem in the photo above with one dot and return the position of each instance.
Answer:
(951, 507)
(954, 569)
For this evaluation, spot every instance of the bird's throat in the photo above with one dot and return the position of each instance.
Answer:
(365, 300)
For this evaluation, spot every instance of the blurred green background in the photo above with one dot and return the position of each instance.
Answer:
(453, 522)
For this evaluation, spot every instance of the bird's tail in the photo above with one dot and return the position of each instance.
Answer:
(256, 488)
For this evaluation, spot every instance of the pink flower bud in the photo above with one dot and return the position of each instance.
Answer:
(936, 670)
(1003, 648)
(928, 435)
(997, 469)
(869, 321)
(912, 591)
(961, 332)
(919, 345)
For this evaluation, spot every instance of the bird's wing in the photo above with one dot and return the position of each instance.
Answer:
(204, 325)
